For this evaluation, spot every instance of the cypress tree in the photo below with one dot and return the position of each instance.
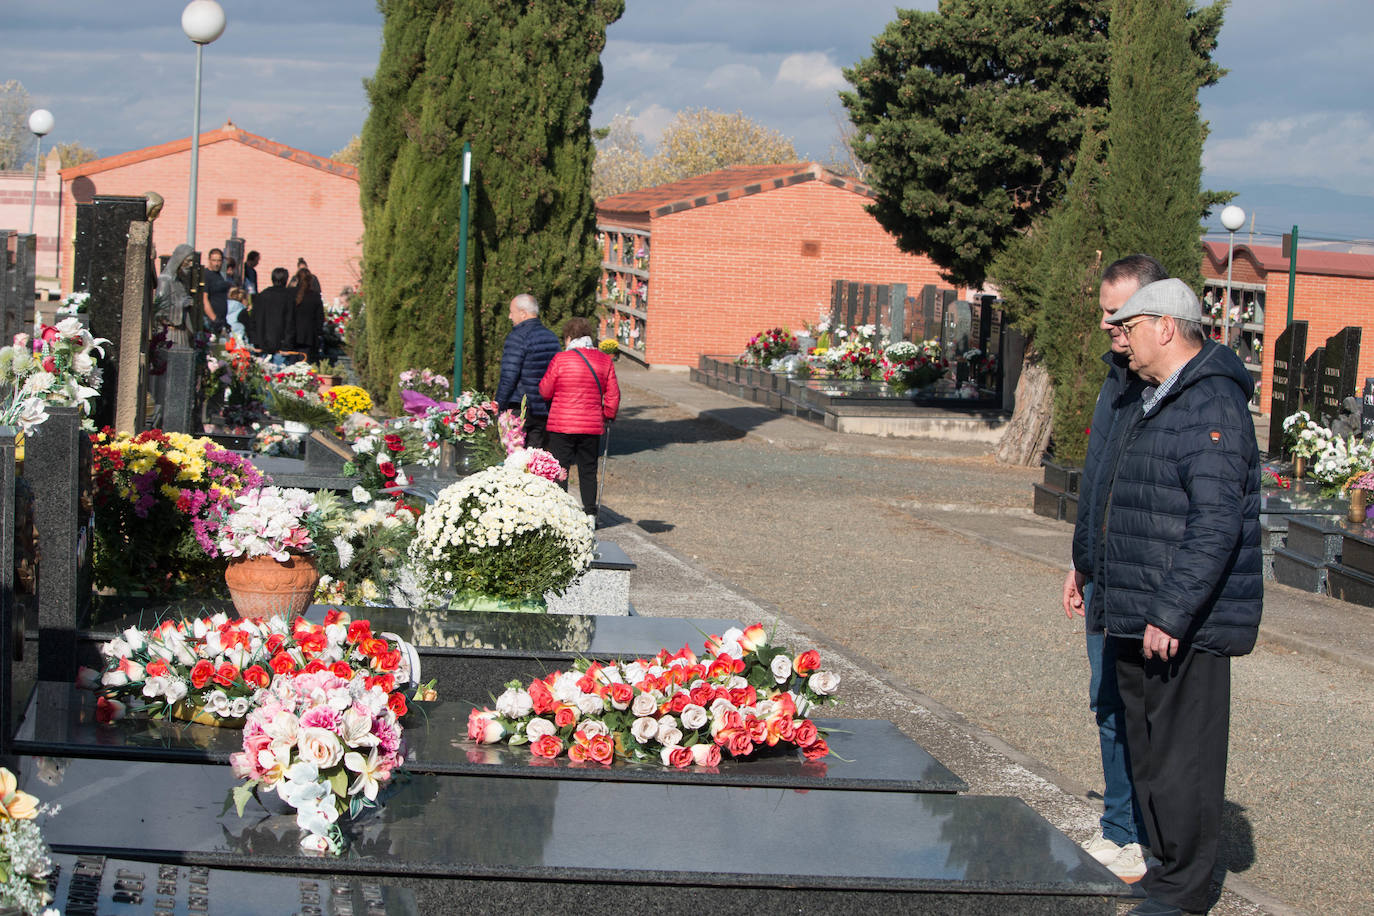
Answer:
(516, 81)
(1067, 323)
(1152, 192)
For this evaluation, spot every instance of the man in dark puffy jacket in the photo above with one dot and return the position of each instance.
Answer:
(1120, 840)
(1179, 569)
(529, 347)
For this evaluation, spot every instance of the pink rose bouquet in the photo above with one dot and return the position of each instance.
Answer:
(326, 744)
(538, 462)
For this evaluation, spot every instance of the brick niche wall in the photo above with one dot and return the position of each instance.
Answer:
(721, 273)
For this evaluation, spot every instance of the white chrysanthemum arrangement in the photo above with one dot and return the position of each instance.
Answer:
(503, 533)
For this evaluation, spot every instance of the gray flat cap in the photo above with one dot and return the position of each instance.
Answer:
(1170, 297)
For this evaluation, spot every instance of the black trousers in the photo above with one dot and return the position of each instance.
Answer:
(536, 436)
(578, 450)
(1178, 719)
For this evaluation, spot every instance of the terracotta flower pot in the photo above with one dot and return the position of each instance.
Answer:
(264, 587)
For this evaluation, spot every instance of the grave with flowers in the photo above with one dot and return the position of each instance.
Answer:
(879, 362)
(537, 773)
(763, 762)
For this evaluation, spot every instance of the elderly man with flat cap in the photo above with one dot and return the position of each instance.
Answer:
(1181, 579)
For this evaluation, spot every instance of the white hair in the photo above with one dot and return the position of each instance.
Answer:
(527, 304)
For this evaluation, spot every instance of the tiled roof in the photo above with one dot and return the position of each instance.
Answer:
(1310, 261)
(228, 132)
(726, 184)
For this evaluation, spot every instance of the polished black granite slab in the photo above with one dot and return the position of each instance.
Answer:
(1300, 498)
(97, 884)
(551, 636)
(565, 830)
(868, 754)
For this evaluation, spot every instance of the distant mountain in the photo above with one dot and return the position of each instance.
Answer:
(1319, 213)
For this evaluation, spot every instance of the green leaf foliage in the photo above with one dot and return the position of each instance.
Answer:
(517, 82)
(969, 118)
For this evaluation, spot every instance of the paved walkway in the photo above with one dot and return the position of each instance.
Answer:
(967, 530)
(1299, 620)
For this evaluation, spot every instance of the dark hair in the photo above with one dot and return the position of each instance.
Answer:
(576, 327)
(252, 256)
(1141, 268)
(280, 275)
(302, 284)
(217, 251)
(300, 262)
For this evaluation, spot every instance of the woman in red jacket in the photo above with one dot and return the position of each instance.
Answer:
(582, 393)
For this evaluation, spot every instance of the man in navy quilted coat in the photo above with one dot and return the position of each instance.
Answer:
(1181, 579)
(528, 349)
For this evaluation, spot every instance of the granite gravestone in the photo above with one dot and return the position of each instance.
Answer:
(954, 341)
(11, 620)
(1340, 365)
(135, 325)
(17, 287)
(1367, 410)
(1285, 391)
(179, 385)
(107, 243)
(81, 251)
(932, 312)
(91, 884)
(6, 285)
(1311, 382)
(882, 305)
(58, 465)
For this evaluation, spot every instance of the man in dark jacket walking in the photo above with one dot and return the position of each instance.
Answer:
(529, 347)
(272, 324)
(1120, 841)
(1179, 569)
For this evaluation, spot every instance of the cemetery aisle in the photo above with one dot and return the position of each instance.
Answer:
(923, 558)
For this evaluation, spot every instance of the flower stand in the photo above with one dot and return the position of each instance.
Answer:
(264, 587)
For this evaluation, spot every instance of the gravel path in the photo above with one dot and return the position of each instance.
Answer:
(923, 564)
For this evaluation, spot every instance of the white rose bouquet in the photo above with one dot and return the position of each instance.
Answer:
(58, 369)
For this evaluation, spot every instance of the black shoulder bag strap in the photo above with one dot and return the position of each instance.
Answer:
(599, 390)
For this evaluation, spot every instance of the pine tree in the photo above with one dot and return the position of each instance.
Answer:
(968, 118)
(517, 82)
(1152, 193)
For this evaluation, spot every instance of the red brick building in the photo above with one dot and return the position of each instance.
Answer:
(1333, 290)
(17, 199)
(700, 266)
(289, 203)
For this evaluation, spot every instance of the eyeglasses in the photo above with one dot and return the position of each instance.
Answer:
(1128, 325)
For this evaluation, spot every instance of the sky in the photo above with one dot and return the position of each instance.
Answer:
(1292, 125)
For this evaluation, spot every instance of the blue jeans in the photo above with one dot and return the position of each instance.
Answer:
(1122, 821)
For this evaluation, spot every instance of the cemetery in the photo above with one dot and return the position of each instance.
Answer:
(883, 363)
(379, 742)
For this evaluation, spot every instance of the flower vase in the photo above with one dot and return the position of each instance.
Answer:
(1299, 466)
(474, 601)
(1358, 505)
(296, 427)
(266, 587)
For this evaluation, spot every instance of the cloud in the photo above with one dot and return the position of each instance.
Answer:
(651, 122)
(1328, 149)
(733, 77)
(811, 70)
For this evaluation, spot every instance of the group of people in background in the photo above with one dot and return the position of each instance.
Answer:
(569, 391)
(284, 320)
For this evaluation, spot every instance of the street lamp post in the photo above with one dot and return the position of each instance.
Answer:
(40, 123)
(203, 22)
(1232, 218)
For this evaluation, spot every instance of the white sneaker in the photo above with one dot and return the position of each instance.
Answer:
(1129, 863)
(1102, 849)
